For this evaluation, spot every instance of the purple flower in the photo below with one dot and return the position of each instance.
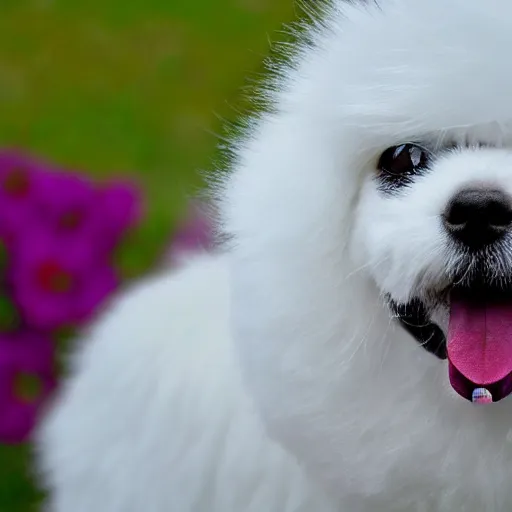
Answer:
(27, 377)
(58, 237)
(72, 206)
(58, 281)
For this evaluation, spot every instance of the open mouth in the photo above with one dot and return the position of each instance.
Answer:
(479, 344)
(479, 341)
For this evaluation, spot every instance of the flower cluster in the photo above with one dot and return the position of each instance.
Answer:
(58, 235)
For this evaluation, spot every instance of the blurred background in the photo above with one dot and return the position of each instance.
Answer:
(137, 87)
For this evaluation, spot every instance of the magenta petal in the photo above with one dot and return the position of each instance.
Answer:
(101, 284)
(13, 220)
(43, 311)
(59, 191)
(75, 253)
(121, 205)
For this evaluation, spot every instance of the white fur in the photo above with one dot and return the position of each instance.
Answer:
(200, 390)
(155, 419)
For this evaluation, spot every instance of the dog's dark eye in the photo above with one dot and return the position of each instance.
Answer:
(398, 164)
(403, 159)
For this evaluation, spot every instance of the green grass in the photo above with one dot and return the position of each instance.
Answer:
(125, 86)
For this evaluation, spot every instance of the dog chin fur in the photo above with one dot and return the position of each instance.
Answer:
(271, 376)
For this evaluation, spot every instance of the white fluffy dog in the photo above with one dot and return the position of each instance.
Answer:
(333, 355)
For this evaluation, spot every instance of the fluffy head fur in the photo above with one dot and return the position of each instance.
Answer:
(316, 249)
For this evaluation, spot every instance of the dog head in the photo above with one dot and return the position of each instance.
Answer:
(372, 203)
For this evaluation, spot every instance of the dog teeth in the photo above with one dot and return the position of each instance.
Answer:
(481, 396)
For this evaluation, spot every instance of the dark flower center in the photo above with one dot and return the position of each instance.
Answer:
(71, 220)
(52, 277)
(27, 387)
(17, 183)
(9, 316)
(3, 255)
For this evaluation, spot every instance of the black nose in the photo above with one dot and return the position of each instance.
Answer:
(478, 217)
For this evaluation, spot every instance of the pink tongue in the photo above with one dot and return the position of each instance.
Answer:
(480, 341)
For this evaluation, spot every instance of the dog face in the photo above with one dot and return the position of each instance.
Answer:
(434, 229)
(431, 218)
